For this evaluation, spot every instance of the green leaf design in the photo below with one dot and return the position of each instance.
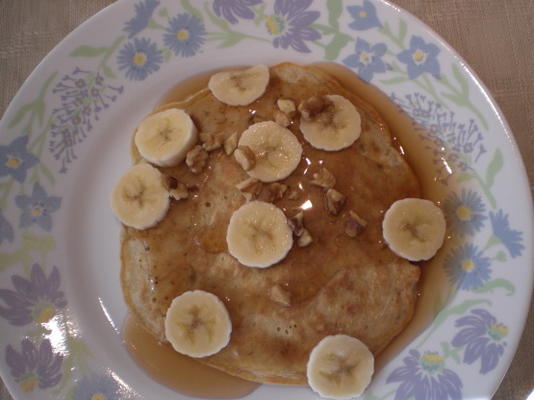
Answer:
(338, 42)
(493, 168)
(30, 242)
(20, 114)
(325, 29)
(88, 51)
(230, 39)
(395, 80)
(46, 172)
(403, 29)
(108, 72)
(163, 12)
(501, 256)
(463, 177)
(454, 98)
(496, 284)
(192, 10)
(464, 85)
(335, 8)
(221, 23)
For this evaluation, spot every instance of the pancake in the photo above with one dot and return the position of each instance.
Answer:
(338, 284)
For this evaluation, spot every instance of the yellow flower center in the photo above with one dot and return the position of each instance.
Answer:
(182, 34)
(432, 358)
(13, 162)
(45, 314)
(139, 59)
(419, 56)
(363, 14)
(468, 265)
(36, 212)
(28, 384)
(99, 396)
(364, 58)
(463, 213)
(274, 24)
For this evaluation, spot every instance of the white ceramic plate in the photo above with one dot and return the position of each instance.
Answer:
(64, 142)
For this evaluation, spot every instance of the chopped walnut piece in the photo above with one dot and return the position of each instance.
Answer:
(324, 178)
(230, 144)
(286, 106)
(334, 201)
(296, 223)
(275, 191)
(250, 188)
(355, 224)
(281, 118)
(245, 157)
(305, 239)
(179, 192)
(280, 295)
(293, 194)
(196, 159)
(210, 141)
(313, 106)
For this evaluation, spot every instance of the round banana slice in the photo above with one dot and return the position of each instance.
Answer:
(335, 127)
(277, 151)
(239, 88)
(414, 228)
(140, 199)
(197, 324)
(340, 367)
(165, 138)
(258, 235)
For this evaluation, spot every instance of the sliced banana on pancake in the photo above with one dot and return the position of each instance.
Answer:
(165, 138)
(140, 199)
(277, 151)
(258, 235)
(330, 123)
(414, 228)
(239, 88)
(340, 367)
(197, 324)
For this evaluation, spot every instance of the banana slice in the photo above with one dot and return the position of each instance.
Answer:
(414, 228)
(276, 150)
(140, 199)
(197, 324)
(334, 125)
(258, 235)
(340, 367)
(165, 138)
(239, 88)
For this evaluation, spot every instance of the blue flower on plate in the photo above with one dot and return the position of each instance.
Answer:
(6, 230)
(290, 24)
(509, 237)
(367, 60)
(421, 57)
(139, 58)
(184, 35)
(34, 365)
(143, 13)
(15, 160)
(97, 387)
(36, 209)
(465, 213)
(424, 377)
(482, 337)
(467, 267)
(36, 299)
(364, 16)
(229, 9)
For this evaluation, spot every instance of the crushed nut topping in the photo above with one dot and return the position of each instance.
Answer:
(355, 224)
(230, 144)
(172, 182)
(279, 295)
(313, 106)
(334, 201)
(179, 192)
(281, 118)
(273, 191)
(250, 188)
(210, 141)
(245, 157)
(296, 223)
(286, 106)
(293, 194)
(305, 239)
(196, 159)
(324, 178)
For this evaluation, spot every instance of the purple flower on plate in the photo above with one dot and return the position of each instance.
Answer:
(36, 299)
(139, 59)
(467, 267)
(465, 213)
(229, 9)
(421, 57)
(290, 24)
(97, 387)
(424, 377)
(15, 160)
(509, 237)
(34, 365)
(482, 337)
(184, 35)
(6, 230)
(364, 16)
(36, 209)
(367, 60)
(143, 13)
